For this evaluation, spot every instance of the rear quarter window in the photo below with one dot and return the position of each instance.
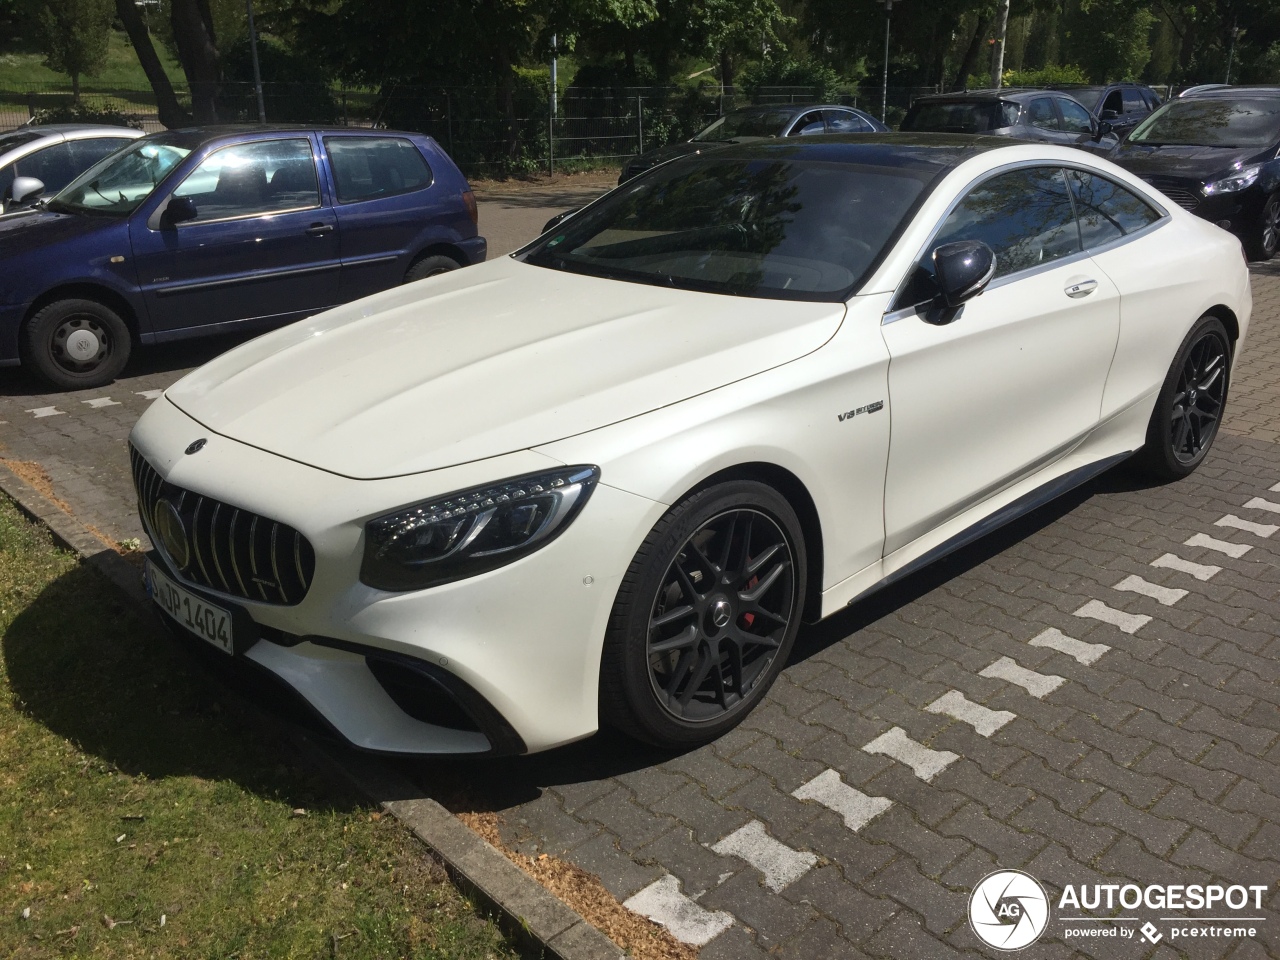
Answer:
(1106, 210)
(367, 168)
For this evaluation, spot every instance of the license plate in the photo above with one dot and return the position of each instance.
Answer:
(202, 618)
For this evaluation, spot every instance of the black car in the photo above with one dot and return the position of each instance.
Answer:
(1044, 115)
(1123, 105)
(1214, 153)
(754, 123)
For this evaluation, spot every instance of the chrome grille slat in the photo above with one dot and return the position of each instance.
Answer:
(283, 550)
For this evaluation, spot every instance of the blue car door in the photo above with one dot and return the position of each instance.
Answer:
(383, 199)
(262, 245)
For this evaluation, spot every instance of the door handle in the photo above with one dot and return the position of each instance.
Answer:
(1080, 288)
(319, 229)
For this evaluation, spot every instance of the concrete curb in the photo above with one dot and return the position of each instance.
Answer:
(531, 912)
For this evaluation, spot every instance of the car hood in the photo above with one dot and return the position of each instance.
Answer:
(484, 361)
(1172, 160)
(683, 148)
(26, 230)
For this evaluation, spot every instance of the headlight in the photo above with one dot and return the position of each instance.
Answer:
(1240, 180)
(471, 531)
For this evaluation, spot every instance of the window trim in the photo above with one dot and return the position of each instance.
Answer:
(186, 224)
(356, 137)
(892, 316)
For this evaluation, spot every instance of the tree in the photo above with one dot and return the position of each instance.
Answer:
(74, 35)
(167, 106)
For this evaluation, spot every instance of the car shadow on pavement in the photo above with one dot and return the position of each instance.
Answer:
(89, 667)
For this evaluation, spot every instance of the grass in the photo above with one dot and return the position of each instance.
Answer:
(140, 817)
(122, 69)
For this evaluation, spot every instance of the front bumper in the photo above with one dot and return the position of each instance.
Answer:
(518, 648)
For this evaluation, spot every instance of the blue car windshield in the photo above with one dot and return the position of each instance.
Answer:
(116, 185)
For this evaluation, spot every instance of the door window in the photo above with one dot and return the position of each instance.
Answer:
(53, 166)
(1114, 103)
(1107, 211)
(845, 121)
(810, 123)
(1040, 113)
(90, 151)
(1075, 118)
(253, 179)
(366, 168)
(1133, 102)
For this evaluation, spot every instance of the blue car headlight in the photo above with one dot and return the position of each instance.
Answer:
(468, 532)
(1238, 180)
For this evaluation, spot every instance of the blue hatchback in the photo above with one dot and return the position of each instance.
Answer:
(201, 231)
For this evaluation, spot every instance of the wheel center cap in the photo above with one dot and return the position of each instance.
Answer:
(82, 345)
(721, 613)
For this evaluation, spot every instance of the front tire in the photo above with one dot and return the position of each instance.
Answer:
(705, 617)
(1265, 240)
(430, 267)
(1190, 405)
(76, 344)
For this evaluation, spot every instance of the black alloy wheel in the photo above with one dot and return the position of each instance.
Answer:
(76, 344)
(1189, 408)
(1265, 240)
(706, 617)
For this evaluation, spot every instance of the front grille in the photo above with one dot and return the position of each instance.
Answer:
(1174, 190)
(231, 550)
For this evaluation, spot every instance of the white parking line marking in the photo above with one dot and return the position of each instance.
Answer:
(1234, 550)
(780, 864)
(101, 402)
(1166, 595)
(955, 704)
(1128, 622)
(45, 412)
(926, 763)
(1257, 503)
(149, 394)
(664, 904)
(1039, 685)
(1055, 639)
(1263, 530)
(1275, 489)
(1201, 571)
(857, 808)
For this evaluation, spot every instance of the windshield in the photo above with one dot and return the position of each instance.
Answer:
(747, 123)
(972, 117)
(117, 184)
(774, 228)
(1212, 123)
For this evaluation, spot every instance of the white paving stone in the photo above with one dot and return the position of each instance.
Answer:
(1128, 622)
(1257, 503)
(1201, 571)
(149, 394)
(1234, 550)
(926, 763)
(955, 704)
(98, 402)
(1263, 530)
(1055, 639)
(1166, 595)
(39, 412)
(780, 864)
(1275, 489)
(664, 904)
(857, 808)
(1037, 684)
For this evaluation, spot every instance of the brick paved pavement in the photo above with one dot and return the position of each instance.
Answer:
(1090, 695)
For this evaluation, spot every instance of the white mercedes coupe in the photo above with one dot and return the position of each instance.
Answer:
(605, 479)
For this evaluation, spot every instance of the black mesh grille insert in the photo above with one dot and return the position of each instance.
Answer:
(231, 550)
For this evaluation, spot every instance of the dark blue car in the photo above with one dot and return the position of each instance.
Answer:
(202, 231)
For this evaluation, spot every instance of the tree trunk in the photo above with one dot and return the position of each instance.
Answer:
(726, 68)
(75, 87)
(1002, 34)
(971, 54)
(507, 103)
(198, 51)
(171, 113)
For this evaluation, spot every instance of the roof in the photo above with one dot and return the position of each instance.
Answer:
(791, 107)
(1233, 93)
(1017, 94)
(67, 129)
(208, 132)
(873, 149)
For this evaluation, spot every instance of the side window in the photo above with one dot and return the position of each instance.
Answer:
(52, 166)
(1075, 118)
(844, 121)
(366, 168)
(807, 125)
(1107, 211)
(88, 152)
(1114, 103)
(250, 179)
(1133, 102)
(1040, 113)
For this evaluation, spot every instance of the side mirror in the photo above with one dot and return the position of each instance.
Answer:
(1105, 129)
(963, 270)
(558, 219)
(179, 210)
(1108, 115)
(25, 188)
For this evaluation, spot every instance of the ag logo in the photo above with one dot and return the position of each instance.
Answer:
(1008, 910)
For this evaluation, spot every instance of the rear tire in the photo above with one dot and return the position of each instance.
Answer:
(1265, 239)
(1190, 404)
(75, 344)
(705, 617)
(430, 267)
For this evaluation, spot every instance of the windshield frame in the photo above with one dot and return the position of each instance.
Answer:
(1148, 123)
(927, 175)
(787, 114)
(57, 203)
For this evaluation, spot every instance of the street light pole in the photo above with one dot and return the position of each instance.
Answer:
(884, 89)
(257, 72)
